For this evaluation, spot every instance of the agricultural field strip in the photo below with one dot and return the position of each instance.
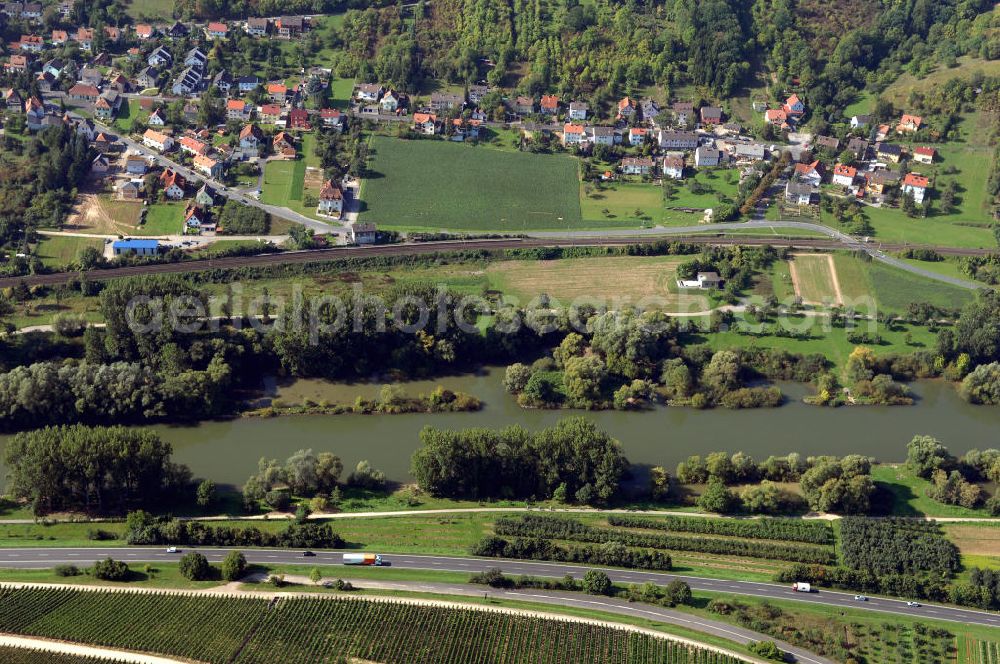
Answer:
(69, 614)
(74, 653)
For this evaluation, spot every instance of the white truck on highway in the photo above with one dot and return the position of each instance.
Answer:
(801, 587)
(363, 559)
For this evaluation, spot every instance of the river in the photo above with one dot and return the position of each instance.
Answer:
(228, 451)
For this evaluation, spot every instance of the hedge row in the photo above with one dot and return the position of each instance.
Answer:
(568, 529)
(789, 530)
(613, 554)
(196, 533)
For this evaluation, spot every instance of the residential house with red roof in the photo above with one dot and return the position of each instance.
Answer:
(573, 134)
(924, 155)
(916, 185)
(298, 118)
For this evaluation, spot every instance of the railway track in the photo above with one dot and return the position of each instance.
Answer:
(409, 249)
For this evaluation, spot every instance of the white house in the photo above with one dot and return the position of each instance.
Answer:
(360, 232)
(578, 110)
(157, 140)
(673, 167)
(637, 165)
(331, 200)
(573, 134)
(916, 185)
(678, 140)
(701, 280)
(706, 156)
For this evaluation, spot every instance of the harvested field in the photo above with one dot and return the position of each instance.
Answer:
(814, 278)
(625, 279)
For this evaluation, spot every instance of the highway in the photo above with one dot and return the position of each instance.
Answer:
(36, 558)
(709, 235)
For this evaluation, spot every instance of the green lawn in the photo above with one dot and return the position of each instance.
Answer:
(909, 494)
(643, 202)
(832, 343)
(340, 92)
(165, 218)
(57, 252)
(861, 105)
(159, 10)
(283, 181)
(894, 290)
(437, 184)
(128, 114)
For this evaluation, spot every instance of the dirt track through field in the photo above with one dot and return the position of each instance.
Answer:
(797, 281)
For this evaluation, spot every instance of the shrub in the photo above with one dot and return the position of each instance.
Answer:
(111, 570)
(66, 570)
(596, 582)
(767, 650)
(234, 566)
(194, 567)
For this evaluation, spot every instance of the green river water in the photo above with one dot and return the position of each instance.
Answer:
(228, 451)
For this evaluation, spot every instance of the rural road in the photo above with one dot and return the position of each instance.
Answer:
(35, 558)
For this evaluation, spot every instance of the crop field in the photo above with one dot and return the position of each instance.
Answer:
(814, 278)
(634, 278)
(438, 184)
(27, 656)
(313, 630)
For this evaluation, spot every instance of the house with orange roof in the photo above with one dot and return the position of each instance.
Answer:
(173, 184)
(549, 104)
(157, 140)
(794, 106)
(59, 37)
(206, 165)
(145, 31)
(777, 117)
(626, 108)
(17, 63)
(277, 92)
(192, 146)
(573, 134)
(84, 37)
(238, 109)
(425, 123)
(916, 185)
(283, 145)
(31, 43)
(637, 135)
(270, 113)
(810, 173)
(844, 175)
(909, 124)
